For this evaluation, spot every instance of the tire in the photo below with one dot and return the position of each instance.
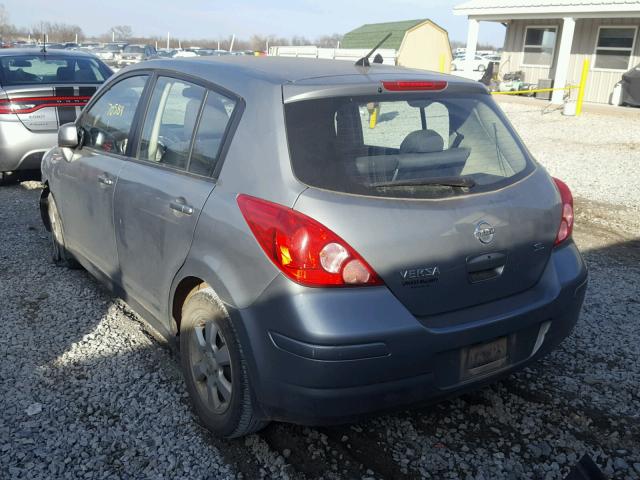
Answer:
(59, 253)
(214, 367)
(481, 68)
(7, 178)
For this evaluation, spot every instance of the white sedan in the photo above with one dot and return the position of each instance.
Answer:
(479, 63)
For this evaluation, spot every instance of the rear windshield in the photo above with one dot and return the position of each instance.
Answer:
(133, 49)
(412, 146)
(38, 69)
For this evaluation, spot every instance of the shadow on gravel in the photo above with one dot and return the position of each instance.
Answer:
(86, 387)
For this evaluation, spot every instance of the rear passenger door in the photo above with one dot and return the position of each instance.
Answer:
(160, 194)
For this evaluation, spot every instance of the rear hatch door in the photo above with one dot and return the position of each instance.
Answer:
(380, 162)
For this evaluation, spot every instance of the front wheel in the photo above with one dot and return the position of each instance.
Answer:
(214, 367)
(59, 253)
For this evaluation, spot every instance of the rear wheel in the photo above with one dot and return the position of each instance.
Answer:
(59, 253)
(214, 368)
(481, 68)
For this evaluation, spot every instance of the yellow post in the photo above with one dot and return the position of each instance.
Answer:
(442, 63)
(373, 117)
(582, 87)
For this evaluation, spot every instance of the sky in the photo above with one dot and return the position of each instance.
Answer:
(220, 19)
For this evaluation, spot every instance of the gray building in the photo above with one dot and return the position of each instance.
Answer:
(550, 39)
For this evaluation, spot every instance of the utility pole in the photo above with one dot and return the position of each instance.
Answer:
(218, 44)
(168, 40)
(233, 39)
(113, 35)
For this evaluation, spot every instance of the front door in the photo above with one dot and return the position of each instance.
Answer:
(90, 178)
(160, 195)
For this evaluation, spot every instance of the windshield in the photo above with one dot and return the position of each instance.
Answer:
(411, 146)
(40, 69)
(133, 49)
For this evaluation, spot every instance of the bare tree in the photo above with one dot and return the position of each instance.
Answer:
(329, 41)
(57, 32)
(122, 32)
(5, 27)
(298, 40)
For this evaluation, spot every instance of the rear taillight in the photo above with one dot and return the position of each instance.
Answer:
(414, 85)
(303, 249)
(32, 104)
(566, 222)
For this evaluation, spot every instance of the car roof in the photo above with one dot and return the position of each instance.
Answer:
(280, 70)
(13, 52)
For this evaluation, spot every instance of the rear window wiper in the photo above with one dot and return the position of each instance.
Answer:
(462, 182)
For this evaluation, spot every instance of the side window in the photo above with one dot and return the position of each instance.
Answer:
(170, 122)
(213, 123)
(107, 124)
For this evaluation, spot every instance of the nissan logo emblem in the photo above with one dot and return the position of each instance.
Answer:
(484, 232)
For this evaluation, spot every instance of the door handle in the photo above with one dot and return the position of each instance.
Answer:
(103, 179)
(181, 208)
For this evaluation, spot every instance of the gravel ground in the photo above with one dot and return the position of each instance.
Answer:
(598, 155)
(87, 391)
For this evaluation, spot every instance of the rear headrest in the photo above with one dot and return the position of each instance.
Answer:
(422, 141)
(192, 92)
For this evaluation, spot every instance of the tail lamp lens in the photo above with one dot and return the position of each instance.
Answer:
(33, 104)
(566, 222)
(304, 250)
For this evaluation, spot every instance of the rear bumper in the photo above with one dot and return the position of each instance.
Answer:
(330, 355)
(21, 148)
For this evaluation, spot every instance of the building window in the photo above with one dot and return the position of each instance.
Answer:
(539, 45)
(614, 48)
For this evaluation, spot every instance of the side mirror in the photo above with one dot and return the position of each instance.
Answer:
(68, 136)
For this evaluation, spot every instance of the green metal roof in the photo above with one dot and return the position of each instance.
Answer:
(368, 35)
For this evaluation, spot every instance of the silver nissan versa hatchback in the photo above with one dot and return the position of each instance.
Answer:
(324, 239)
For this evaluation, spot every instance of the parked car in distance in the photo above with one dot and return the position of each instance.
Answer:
(90, 45)
(185, 54)
(110, 53)
(479, 63)
(166, 53)
(132, 54)
(55, 46)
(311, 268)
(40, 91)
